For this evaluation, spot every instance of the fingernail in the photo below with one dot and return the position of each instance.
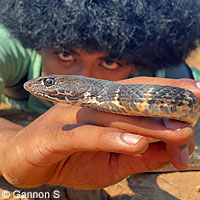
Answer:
(184, 155)
(131, 138)
(188, 132)
(198, 84)
(174, 125)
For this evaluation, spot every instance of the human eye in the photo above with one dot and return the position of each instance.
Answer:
(66, 56)
(110, 64)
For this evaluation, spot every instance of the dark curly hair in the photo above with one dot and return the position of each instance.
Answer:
(148, 33)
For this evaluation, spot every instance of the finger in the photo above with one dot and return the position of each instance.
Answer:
(154, 158)
(65, 140)
(170, 131)
(179, 155)
(119, 166)
(82, 137)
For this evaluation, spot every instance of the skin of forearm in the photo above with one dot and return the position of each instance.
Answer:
(7, 131)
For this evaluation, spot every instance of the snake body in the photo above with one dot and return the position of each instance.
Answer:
(137, 99)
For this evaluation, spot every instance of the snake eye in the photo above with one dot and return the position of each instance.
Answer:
(49, 82)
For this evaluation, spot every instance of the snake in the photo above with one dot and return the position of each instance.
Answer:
(145, 100)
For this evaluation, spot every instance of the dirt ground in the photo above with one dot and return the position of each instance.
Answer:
(147, 186)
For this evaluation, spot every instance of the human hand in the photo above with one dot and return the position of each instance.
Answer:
(85, 149)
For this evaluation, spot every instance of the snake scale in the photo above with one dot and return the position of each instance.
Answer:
(107, 96)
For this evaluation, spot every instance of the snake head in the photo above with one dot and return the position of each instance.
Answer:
(59, 88)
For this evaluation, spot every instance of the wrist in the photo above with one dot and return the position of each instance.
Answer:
(7, 132)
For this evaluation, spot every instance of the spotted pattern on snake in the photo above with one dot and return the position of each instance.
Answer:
(135, 99)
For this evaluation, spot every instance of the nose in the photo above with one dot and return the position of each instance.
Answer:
(85, 70)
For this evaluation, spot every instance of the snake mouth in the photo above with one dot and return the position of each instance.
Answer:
(39, 94)
(44, 96)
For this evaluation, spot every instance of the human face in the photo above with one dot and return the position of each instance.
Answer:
(79, 62)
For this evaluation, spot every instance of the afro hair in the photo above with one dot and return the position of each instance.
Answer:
(147, 33)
